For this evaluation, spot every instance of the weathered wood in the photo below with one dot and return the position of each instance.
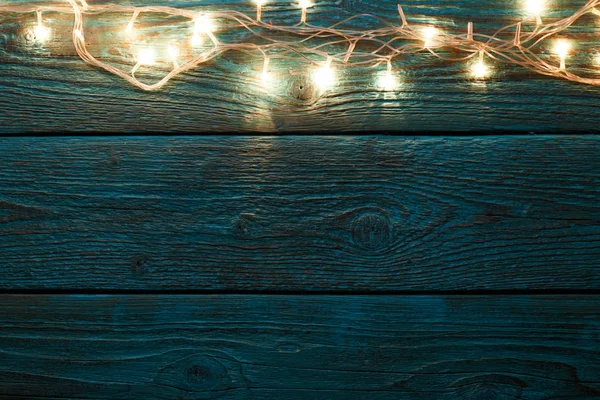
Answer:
(47, 88)
(304, 213)
(299, 347)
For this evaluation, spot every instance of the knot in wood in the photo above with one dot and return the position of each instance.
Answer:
(302, 88)
(484, 391)
(139, 263)
(242, 226)
(203, 373)
(29, 36)
(372, 230)
(198, 374)
(490, 387)
(204, 376)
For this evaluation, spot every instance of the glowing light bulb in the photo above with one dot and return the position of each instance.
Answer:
(173, 52)
(203, 24)
(41, 33)
(304, 4)
(387, 81)
(324, 77)
(535, 7)
(259, 4)
(562, 48)
(480, 70)
(429, 34)
(129, 27)
(146, 57)
(197, 40)
(265, 76)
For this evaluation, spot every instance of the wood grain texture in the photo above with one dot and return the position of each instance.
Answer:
(303, 213)
(47, 88)
(300, 347)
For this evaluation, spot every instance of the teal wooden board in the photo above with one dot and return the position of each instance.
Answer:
(299, 347)
(300, 213)
(47, 88)
(512, 223)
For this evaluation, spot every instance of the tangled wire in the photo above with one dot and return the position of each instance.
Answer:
(388, 42)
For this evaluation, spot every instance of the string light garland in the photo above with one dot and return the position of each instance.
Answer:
(514, 44)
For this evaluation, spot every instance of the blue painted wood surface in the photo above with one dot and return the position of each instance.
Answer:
(47, 88)
(300, 213)
(300, 347)
(240, 216)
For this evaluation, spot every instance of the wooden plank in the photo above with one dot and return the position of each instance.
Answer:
(299, 347)
(47, 88)
(302, 213)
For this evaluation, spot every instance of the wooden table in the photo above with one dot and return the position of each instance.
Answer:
(458, 265)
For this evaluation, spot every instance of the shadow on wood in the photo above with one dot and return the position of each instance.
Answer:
(298, 347)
